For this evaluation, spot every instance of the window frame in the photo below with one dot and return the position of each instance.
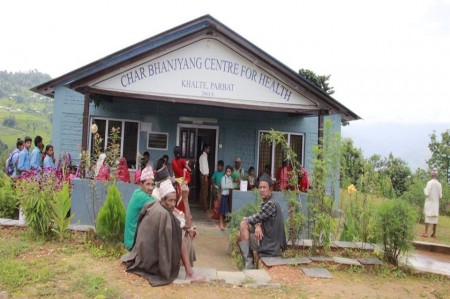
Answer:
(272, 153)
(105, 138)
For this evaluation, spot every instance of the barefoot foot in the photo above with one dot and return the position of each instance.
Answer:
(195, 277)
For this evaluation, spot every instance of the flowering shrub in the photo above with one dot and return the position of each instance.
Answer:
(59, 175)
(36, 193)
(35, 197)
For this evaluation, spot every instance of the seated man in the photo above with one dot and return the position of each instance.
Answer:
(189, 232)
(140, 197)
(263, 231)
(160, 243)
(157, 246)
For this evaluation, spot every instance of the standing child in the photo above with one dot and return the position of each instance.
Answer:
(11, 165)
(36, 154)
(49, 160)
(216, 179)
(226, 184)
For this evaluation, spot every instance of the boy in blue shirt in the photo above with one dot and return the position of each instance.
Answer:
(24, 157)
(36, 154)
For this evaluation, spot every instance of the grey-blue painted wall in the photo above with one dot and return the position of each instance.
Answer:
(67, 122)
(238, 129)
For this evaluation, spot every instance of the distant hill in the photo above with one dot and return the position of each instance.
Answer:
(22, 112)
(406, 141)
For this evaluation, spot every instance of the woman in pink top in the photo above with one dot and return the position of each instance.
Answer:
(122, 171)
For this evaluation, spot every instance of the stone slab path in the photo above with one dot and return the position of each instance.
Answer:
(317, 272)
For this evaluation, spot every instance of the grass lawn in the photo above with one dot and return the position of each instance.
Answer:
(442, 231)
(78, 269)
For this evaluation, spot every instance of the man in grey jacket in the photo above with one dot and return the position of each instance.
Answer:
(263, 231)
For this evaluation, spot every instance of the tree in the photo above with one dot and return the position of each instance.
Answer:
(352, 161)
(440, 153)
(398, 171)
(375, 180)
(319, 81)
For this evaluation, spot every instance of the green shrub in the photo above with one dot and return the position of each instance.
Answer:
(394, 228)
(296, 219)
(415, 196)
(36, 199)
(9, 121)
(60, 209)
(358, 225)
(111, 216)
(245, 210)
(8, 200)
(324, 179)
(444, 202)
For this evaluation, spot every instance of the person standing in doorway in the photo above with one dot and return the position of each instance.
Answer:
(204, 177)
(433, 192)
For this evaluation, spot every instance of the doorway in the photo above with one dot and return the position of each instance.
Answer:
(191, 139)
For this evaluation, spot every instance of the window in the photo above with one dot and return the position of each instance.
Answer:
(272, 155)
(158, 141)
(129, 132)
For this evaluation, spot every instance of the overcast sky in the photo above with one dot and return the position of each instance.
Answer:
(389, 60)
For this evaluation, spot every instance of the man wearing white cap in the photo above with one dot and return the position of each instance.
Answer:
(140, 197)
(433, 192)
(159, 248)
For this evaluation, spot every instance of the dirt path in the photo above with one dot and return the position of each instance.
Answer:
(73, 261)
